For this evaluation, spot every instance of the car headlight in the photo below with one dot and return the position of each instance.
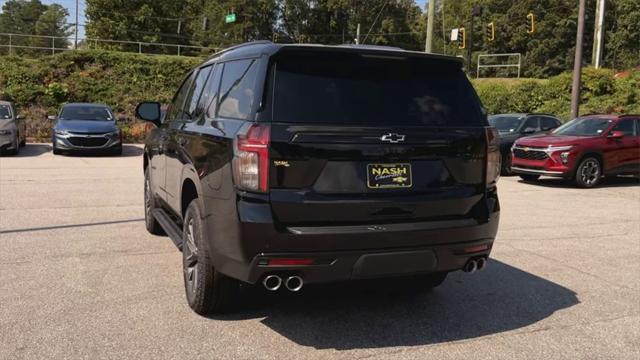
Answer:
(115, 133)
(5, 132)
(61, 132)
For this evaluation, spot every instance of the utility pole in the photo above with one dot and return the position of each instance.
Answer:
(475, 11)
(431, 15)
(598, 37)
(358, 34)
(76, 42)
(577, 66)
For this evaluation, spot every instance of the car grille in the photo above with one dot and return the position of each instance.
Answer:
(88, 142)
(529, 154)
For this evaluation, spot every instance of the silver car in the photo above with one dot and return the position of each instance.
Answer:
(13, 130)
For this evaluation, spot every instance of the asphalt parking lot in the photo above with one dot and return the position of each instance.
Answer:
(81, 278)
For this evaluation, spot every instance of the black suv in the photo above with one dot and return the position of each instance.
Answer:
(512, 127)
(284, 165)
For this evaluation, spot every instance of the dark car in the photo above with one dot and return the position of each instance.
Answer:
(86, 128)
(583, 150)
(514, 126)
(292, 164)
(12, 129)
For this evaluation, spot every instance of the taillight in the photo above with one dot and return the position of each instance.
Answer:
(493, 155)
(251, 158)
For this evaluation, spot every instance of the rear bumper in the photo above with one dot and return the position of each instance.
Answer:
(338, 253)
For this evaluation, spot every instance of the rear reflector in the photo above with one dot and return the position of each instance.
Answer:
(288, 262)
(475, 249)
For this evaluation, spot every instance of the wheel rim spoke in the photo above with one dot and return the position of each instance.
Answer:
(190, 259)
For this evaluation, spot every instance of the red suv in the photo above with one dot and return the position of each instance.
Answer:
(584, 149)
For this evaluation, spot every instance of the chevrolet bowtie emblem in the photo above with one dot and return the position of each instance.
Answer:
(393, 138)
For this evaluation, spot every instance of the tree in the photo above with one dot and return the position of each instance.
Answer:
(34, 18)
(622, 38)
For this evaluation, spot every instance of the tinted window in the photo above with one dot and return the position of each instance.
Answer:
(5, 112)
(583, 127)
(237, 89)
(505, 124)
(176, 109)
(195, 92)
(373, 90)
(209, 98)
(531, 124)
(626, 126)
(548, 123)
(96, 113)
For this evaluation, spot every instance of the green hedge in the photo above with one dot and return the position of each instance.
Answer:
(39, 86)
(601, 92)
(121, 80)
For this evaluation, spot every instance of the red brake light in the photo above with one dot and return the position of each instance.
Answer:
(251, 158)
(289, 262)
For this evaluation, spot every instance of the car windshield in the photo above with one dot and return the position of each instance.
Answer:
(5, 112)
(373, 90)
(583, 127)
(505, 124)
(95, 113)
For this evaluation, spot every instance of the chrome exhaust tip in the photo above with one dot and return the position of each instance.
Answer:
(470, 267)
(294, 283)
(481, 263)
(272, 282)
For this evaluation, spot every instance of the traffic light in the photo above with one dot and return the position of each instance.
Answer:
(531, 23)
(491, 31)
(462, 38)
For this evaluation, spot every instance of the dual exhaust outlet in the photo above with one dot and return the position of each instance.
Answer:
(474, 265)
(274, 282)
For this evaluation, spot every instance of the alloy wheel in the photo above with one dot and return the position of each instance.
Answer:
(190, 260)
(590, 172)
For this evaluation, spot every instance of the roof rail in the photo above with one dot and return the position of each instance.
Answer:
(251, 43)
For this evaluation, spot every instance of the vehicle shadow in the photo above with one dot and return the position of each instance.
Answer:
(610, 181)
(375, 315)
(32, 149)
(127, 151)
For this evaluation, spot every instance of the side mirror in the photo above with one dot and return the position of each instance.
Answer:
(52, 117)
(529, 130)
(616, 135)
(149, 111)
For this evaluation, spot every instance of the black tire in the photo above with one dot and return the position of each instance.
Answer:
(506, 165)
(23, 143)
(529, 177)
(207, 290)
(117, 152)
(16, 147)
(588, 173)
(150, 222)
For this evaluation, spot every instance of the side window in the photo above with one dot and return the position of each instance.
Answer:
(209, 99)
(547, 123)
(193, 98)
(531, 125)
(626, 126)
(237, 89)
(176, 109)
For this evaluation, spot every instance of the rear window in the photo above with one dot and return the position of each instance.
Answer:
(373, 90)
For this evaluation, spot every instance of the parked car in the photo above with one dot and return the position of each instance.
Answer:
(86, 128)
(585, 150)
(512, 127)
(13, 130)
(282, 165)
